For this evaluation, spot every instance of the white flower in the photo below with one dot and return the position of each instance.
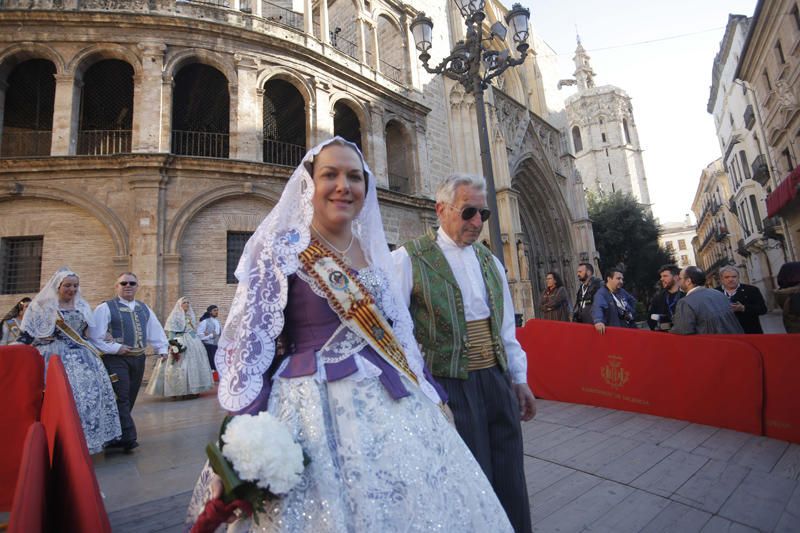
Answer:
(261, 450)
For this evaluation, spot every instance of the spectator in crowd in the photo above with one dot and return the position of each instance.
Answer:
(702, 310)
(12, 320)
(582, 311)
(662, 308)
(209, 331)
(746, 301)
(554, 298)
(613, 305)
(787, 296)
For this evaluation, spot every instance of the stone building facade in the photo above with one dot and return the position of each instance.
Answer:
(676, 238)
(717, 234)
(155, 135)
(745, 156)
(603, 134)
(769, 67)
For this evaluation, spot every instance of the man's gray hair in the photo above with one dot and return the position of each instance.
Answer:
(729, 268)
(446, 193)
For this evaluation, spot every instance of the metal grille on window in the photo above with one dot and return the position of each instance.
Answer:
(20, 264)
(200, 112)
(106, 109)
(346, 124)
(281, 15)
(28, 118)
(284, 124)
(236, 242)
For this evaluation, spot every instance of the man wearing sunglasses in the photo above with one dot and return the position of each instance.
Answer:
(123, 327)
(463, 316)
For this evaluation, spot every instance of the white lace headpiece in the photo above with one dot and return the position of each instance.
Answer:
(176, 321)
(247, 345)
(40, 318)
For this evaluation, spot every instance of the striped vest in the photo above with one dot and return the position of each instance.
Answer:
(437, 307)
(128, 328)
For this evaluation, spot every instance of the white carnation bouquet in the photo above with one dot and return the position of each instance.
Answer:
(256, 458)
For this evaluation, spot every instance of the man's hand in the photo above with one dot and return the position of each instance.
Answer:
(123, 350)
(527, 403)
(737, 307)
(600, 327)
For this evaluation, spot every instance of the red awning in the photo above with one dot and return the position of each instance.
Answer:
(783, 193)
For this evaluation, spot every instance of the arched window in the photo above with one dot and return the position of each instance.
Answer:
(346, 123)
(576, 139)
(392, 51)
(28, 117)
(106, 109)
(398, 152)
(284, 124)
(200, 112)
(625, 131)
(343, 26)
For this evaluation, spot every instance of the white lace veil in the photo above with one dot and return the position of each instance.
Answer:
(40, 318)
(247, 345)
(176, 321)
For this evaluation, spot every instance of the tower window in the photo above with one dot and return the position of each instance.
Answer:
(576, 139)
(626, 131)
(779, 53)
(603, 136)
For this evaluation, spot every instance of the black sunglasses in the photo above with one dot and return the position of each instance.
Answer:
(126, 283)
(468, 212)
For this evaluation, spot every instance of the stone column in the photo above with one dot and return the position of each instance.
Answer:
(325, 36)
(377, 140)
(167, 84)
(324, 112)
(3, 89)
(248, 121)
(308, 16)
(65, 115)
(147, 100)
(376, 53)
(145, 235)
(361, 38)
(422, 176)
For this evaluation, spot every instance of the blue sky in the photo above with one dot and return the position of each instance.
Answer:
(668, 80)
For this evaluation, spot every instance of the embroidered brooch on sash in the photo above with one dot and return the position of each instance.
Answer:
(354, 305)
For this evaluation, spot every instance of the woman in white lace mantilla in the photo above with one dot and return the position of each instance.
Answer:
(349, 384)
(186, 373)
(55, 324)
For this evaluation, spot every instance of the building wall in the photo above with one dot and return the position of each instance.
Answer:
(677, 238)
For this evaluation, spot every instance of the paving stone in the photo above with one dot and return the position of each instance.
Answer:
(633, 513)
(585, 509)
(607, 451)
(582, 416)
(665, 477)
(711, 485)
(579, 444)
(547, 501)
(636, 424)
(717, 524)
(760, 453)
(789, 463)
(722, 445)
(690, 437)
(610, 420)
(790, 519)
(639, 460)
(151, 516)
(759, 500)
(555, 438)
(541, 474)
(660, 430)
(677, 517)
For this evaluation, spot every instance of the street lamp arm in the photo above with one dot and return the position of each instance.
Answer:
(508, 62)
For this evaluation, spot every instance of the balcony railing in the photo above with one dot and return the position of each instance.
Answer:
(399, 183)
(741, 249)
(342, 44)
(721, 233)
(216, 3)
(25, 143)
(281, 15)
(283, 154)
(772, 228)
(104, 142)
(200, 143)
(392, 72)
(760, 170)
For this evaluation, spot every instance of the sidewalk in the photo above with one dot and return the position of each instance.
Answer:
(588, 469)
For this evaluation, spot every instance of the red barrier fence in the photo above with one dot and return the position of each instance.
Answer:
(740, 382)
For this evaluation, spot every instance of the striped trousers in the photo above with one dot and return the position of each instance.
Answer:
(486, 413)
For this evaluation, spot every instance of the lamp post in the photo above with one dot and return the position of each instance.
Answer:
(474, 65)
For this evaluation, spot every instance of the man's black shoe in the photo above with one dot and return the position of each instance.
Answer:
(128, 447)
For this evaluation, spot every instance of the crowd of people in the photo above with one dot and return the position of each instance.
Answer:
(103, 352)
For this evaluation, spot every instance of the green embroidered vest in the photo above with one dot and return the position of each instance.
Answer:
(437, 307)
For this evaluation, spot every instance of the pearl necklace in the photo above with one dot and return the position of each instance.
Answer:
(335, 249)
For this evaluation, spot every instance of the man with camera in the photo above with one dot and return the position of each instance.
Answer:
(662, 308)
(613, 305)
(585, 296)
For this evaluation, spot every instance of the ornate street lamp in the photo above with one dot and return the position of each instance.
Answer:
(474, 65)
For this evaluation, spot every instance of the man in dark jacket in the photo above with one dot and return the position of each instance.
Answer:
(662, 308)
(586, 291)
(746, 301)
(613, 305)
(702, 311)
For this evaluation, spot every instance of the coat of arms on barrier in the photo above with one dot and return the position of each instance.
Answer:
(613, 373)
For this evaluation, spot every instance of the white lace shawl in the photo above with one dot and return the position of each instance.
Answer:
(40, 318)
(247, 344)
(176, 321)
